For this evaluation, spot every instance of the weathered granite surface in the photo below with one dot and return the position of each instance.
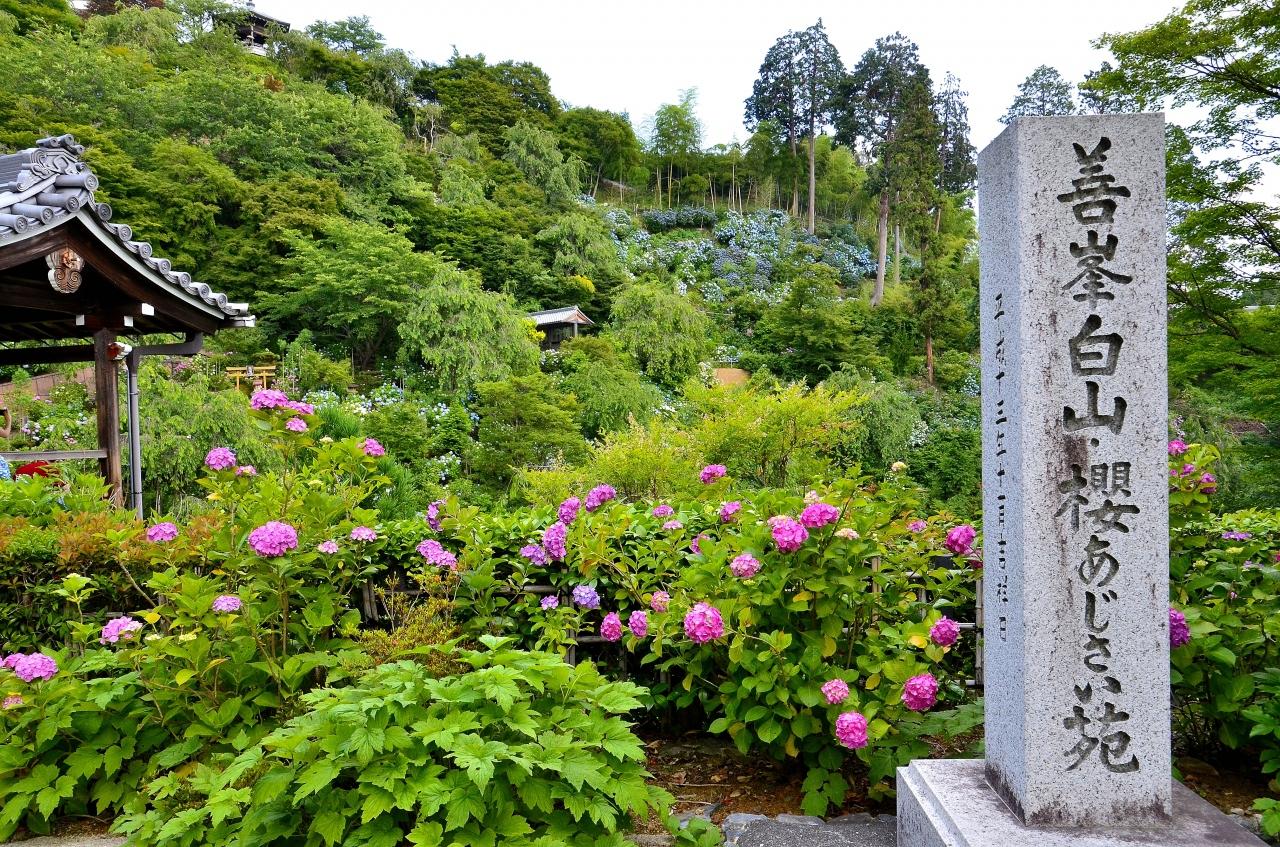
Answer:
(69, 841)
(860, 830)
(949, 803)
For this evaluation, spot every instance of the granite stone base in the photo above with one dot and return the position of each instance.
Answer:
(948, 803)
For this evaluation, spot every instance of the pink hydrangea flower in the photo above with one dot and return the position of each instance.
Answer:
(295, 425)
(1177, 447)
(568, 511)
(13, 701)
(219, 459)
(745, 566)
(848, 533)
(960, 539)
(363, 533)
(373, 449)
(611, 627)
(920, 692)
(703, 623)
(836, 691)
(599, 495)
(300, 407)
(269, 398)
(711, 473)
(1208, 483)
(273, 538)
(549, 602)
(696, 544)
(35, 666)
(851, 730)
(789, 535)
(945, 632)
(535, 554)
(672, 526)
(246, 470)
(917, 525)
(728, 510)
(817, 515)
(118, 628)
(553, 541)
(226, 604)
(329, 547)
(638, 623)
(662, 510)
(433, 551)
(1179, 632)
(10, 660)
(660, 601)
(162, 532)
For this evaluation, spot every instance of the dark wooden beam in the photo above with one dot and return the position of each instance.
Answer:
(105, 390)
(35, 247)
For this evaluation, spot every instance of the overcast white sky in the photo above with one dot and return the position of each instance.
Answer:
(634, 57)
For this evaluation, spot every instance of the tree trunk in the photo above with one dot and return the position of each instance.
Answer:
(897, 253)
(928, 356)
(882, 231)
(812, 181)
(671, 169)
(657, 174)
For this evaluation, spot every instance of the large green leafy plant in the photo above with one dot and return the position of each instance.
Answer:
(522, 749)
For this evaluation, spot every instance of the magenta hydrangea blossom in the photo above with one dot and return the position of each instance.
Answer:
(219, 459)
(433, 551)
(117, 628)
(945, 632)
(789, 535)
(1179, 632)
(550, 602)
(703, 623)
(363, 533)
(638, 623)
(672, 526)
(568, 511)
(553, 541)
(920, 692)
(227, 604)
(373, 449)
(10, 660)
(1236, 536)
(300, 407)
(1177, 447)
(660, 601)
(836, 691)
(817, 515)
(662, 510)
(13, 701)
(696, 544)
(586, 597)
(1208, 483)
(745, 566)
(329, 547)
(273, 538)
(711, 473)
(960, 539)
(535, 554)
(246, 470)
(33, 666)
(433, 514)
(162, 532)
(611, 627)
(851, 730)
(269, 398)
(917, 525)
(599, 495)
(728, 510)
(295, 425)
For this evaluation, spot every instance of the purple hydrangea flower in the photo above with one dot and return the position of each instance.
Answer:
(586, 597)
(373, 449)
(960, 539)
(696, 544)
(295, 425)
(851, 730)
(836, 691)
(269, 398)
(34, 666)
(549, 602)
(660, 601)
(920, 692)
(220, 459)
(1177, 447)
(329, 547)
(246, 470)
(568, 511)
(433, 514)
(611, 627)
(817, 515)
(162, 532)
(638, 623)
(600, 495)
(1179, 632)
(711, 473)
(535, 554)
(553, 541)
(118, 628)
(363, 533)
(728, 510)
(945, 632)
(917, 525)
(745, 566)
(672, 526)
(703, 623)
(13, 701)
(226, 604)
(789, 535)
(433, 551)
(1236, 536)
(300, 407)
(662, 510)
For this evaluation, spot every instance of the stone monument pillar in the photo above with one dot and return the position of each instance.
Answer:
(1075, 506)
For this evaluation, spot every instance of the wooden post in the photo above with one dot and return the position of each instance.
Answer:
(105, 396)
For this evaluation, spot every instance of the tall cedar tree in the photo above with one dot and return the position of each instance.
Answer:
(958, 170)
(874, 94)
(773, 100)
(1044, 92)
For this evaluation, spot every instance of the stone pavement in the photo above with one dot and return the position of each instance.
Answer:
(69, 841)
(858, 830)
